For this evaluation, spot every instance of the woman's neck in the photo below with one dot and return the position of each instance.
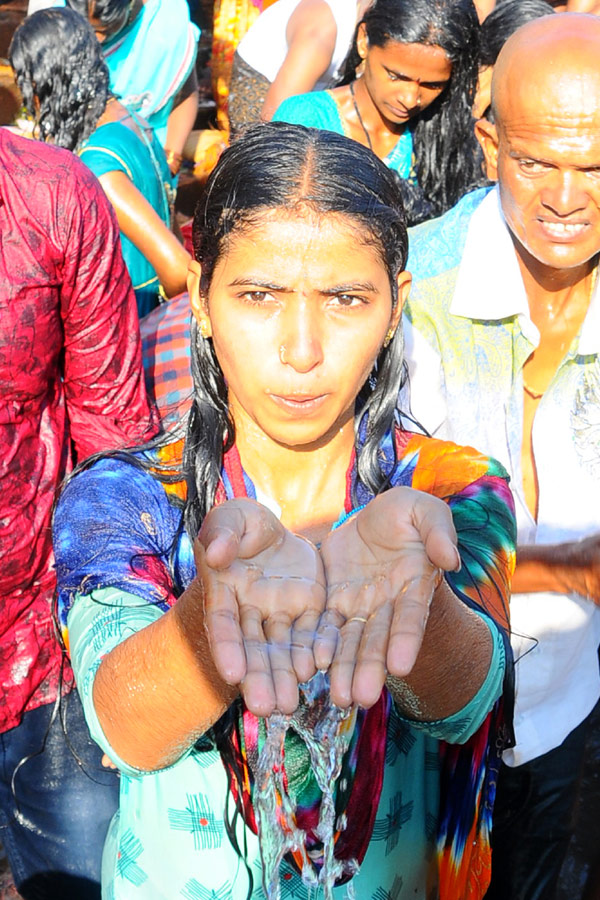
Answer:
(362, 120)
(308, 484)
(114, 111)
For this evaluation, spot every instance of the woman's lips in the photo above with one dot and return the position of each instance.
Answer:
(299, 404)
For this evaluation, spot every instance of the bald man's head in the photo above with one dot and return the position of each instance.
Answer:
(553, 61)
(544, 148)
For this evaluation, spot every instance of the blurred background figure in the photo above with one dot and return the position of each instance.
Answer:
(294, 46)
(64, 81)
(150, 50)
(406, 92)
(495, 31)
(231, 21)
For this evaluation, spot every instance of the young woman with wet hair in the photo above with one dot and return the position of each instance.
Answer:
(406, 93)
(64, 81)
(202, 583)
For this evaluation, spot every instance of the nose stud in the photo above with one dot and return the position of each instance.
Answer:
(282, 351)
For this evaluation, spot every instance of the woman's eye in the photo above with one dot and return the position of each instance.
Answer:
(349, 300)
(255, 297)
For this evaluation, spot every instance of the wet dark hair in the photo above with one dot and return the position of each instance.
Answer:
(447, 158)
(277, 166)
(106, 12)
(58, 61)
(503, 21)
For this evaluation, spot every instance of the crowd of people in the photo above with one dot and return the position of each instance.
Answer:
(322, 476)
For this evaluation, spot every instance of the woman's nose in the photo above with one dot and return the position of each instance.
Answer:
(301, 345)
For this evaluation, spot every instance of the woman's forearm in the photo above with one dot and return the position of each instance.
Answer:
(179, 127)
(158, 691)
(452, 664)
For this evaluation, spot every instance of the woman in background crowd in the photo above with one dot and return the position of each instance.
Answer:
(406, 93)
(294, 46)
(150, 50)
(64, 81)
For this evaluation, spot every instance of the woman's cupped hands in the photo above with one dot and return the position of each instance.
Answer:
(277, 608)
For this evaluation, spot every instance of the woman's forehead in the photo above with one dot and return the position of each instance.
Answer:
(327, 246)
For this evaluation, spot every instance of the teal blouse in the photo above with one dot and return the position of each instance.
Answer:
(116, 148)
(318, 109)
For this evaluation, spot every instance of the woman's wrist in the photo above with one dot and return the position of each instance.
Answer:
(174, 160)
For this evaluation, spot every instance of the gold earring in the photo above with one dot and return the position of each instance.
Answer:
(204, 328)
(389, 336)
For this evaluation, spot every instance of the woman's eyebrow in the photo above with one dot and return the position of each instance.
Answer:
(366, 286)
(256, 281)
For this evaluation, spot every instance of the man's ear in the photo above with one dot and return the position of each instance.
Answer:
(197, 301)
(404, 282)
(487, 135)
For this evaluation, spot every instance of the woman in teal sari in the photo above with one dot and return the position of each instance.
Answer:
(64, 82)
(150, 50)
(406, 93)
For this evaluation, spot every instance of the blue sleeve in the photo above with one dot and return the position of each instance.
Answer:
(115, 527)
(317, 109)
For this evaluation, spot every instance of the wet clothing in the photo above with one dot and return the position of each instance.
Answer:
(467, 338)
(113, 529)
(53, 829)
(71, 384)
(468, 334)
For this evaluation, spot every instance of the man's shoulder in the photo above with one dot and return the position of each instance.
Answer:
(33, 167)
(436, 247)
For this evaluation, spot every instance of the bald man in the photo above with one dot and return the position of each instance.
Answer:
(503, 342)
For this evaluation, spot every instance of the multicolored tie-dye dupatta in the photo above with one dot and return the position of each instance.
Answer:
(476, 490)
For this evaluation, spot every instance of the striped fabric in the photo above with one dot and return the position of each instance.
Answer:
(166, 351)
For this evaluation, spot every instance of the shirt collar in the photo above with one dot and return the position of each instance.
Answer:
(489, 283)
(589, 336)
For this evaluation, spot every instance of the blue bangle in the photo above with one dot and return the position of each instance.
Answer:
(347, 515)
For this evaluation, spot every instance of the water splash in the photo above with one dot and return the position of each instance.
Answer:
(324, 729)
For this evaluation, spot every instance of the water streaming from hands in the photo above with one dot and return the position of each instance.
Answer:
(320, 725)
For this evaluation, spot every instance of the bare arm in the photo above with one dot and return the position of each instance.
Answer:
(158, 691)
(569, 568)
(452, 664)
(144, 227)
(181, 121)
(311, 36)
